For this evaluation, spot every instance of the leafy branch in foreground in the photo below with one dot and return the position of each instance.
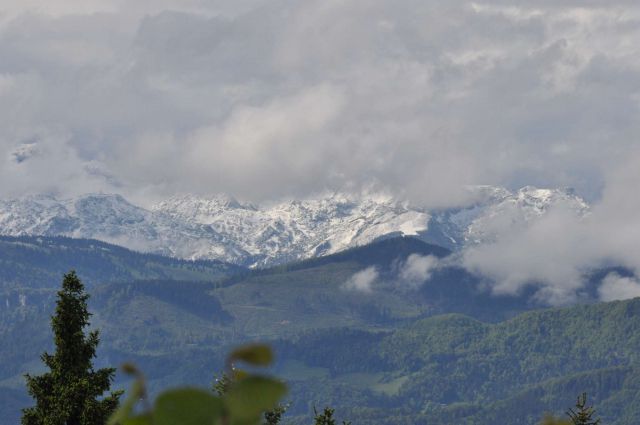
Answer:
(245, 399)
(223, 383)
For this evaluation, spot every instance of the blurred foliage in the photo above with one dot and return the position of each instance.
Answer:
(241, 400)
(551, 420)
(255, 354)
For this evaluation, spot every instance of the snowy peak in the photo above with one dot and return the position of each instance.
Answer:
(217, 227)
(542, 199)
(295, 229)
(202, 210)
(107, 210)
(502, 214)
(220, 227)
(495, 211)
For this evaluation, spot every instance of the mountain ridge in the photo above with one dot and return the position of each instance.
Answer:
(220, 227)
(40, 261)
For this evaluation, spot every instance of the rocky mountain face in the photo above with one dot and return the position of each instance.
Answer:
(222, 228)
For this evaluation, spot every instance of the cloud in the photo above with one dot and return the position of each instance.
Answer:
(615, 287)
(556, 250)
(285, 98)
(362, 281)
(46, 162)
(416, 270)
(24, 152)
(547, 251)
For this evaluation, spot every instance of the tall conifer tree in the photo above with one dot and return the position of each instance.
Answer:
(71, 393)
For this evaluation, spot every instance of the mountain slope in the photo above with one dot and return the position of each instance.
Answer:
(220, 227)
(39, 262)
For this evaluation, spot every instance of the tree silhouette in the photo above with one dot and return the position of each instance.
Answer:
(70, 393)
(583, 414)
(326, 417)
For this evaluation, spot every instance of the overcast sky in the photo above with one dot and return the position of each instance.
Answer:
(280, 98)
(263, 99)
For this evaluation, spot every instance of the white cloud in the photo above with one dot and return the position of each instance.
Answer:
(24, 152)
(362, 281)
(547, 251)
(555, 251)
(416, 270)
(420, 97)
(615, 287)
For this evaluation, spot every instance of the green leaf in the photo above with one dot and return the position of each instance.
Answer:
(250, 397)
(145, 419)
(130, 369)
(255, 354)
(239, 374)
(550, 420)
(121, 415)
(187, 406)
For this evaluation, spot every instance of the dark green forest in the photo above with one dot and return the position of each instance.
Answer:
(444, 353)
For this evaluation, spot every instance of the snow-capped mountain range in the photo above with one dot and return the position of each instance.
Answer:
(219, 227)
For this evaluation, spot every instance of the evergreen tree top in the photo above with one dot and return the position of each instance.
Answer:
(71, 283)
(71, 393)
(583, 414)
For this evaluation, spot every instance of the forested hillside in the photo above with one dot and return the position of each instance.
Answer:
(452, 368)
(38, 262)
(437, 351)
